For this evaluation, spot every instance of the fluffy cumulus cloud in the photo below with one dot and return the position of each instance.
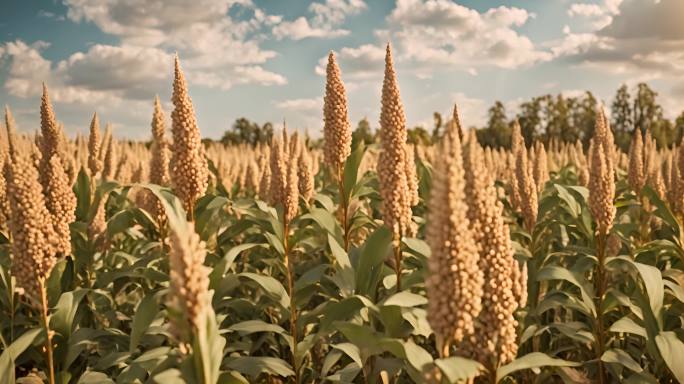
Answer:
(644, 40)
(324, 23)
(216, 49)
(598, 14)
(363, 62)
(442, 32)
(429, 35)
(643, 37)
(472, 111)
(28, 69)
(304, 104)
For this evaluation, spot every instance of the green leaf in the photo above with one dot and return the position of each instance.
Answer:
(532, 360)
(334, 311)
(226, 262)
(573, 206)
(10, 355)
(350, 350)
(351, 169)
(662, 209)
(254, 366)
(169, 376)
(672, 351)
(560, 273)
(91, 377)
(459, 369)
(120, 222)
(418, 246)
(405, 299)
(653, 281)
(340, 255)
(627, 325)
(325, 220)
(62, 320)
(208, 346)
(254, 326)
(418, 357)
(144, 315)
(271, 286)
(372, 257)
(619, 356)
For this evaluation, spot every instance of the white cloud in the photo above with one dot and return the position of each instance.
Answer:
(362, 62)
(441, 32)
(212, 45)
(300, 29)
(643, 37)
(50, 15)
(325, 22)
(586, 10)
(472, 111)
(600, 15)
(307, 105)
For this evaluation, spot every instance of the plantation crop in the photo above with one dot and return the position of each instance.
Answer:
(184, 262)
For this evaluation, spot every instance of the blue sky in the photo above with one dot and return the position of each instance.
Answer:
(262, 59)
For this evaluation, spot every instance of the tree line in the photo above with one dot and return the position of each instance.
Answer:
(545, 118)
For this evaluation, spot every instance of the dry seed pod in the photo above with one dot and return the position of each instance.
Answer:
(33, 237)
(541, 171)
(291, 197)
(495, 338)
(454, 282)
(411, 175)
(336, 129)
(278, 166)
(159, 164)
(305, 174)
(636, 175)
(394, 189)
(601, 178)
(189, 170)
(94, 162)
(59, 197)
(526, 188)
(109, 166)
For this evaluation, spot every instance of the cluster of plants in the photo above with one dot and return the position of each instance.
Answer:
(386, 263)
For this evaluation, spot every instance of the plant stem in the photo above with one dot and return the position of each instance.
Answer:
(600, 291)
(293, 309)
(46, 323)
(397, 259)
(344, 205)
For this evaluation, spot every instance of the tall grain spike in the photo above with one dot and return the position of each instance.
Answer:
(494, 342)
(33, 237)
(189, 171)
(392, 160)
(454, 282)
(94, 148)
(336, 129)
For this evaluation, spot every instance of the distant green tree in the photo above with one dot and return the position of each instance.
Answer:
(583, 116)
(531, 118)
(437, 131)
(679, 128)
(664, 133)
(362, 133)
(646, 110)
(497, 133)
(558, 124)
(418, 135)
(244, 131)
(621, 111)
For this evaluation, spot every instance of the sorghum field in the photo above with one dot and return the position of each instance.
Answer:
(180, 262)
